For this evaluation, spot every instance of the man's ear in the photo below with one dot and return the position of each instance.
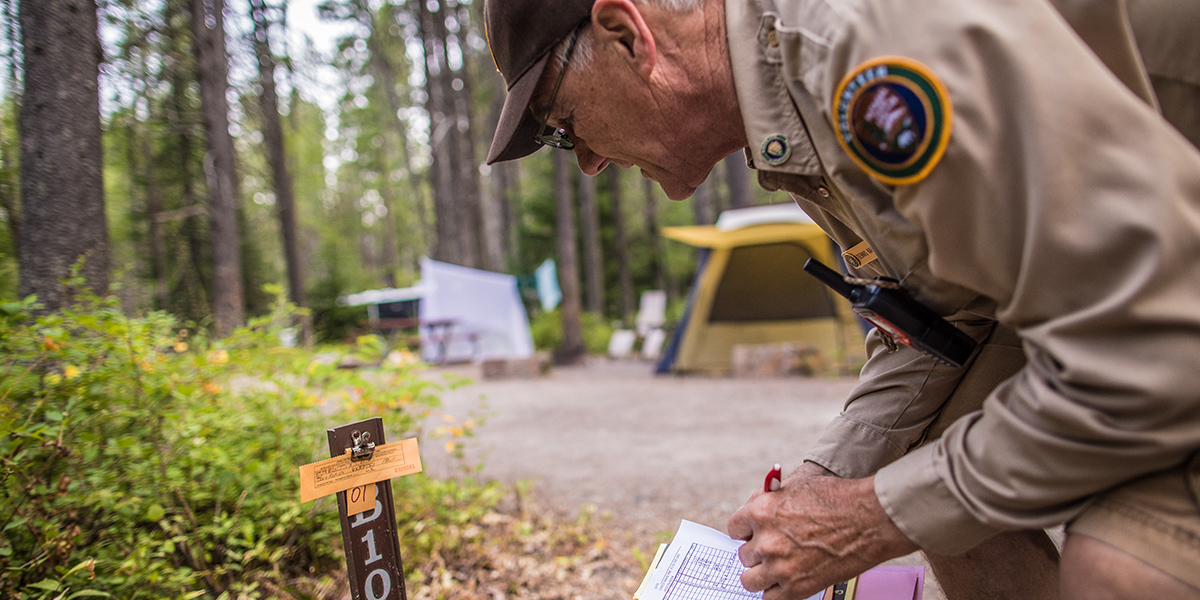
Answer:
(621, 24)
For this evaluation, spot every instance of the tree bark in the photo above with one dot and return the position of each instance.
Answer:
(154, 206)
(442, 180)
(511, 173)
(381, 65)
(62, 185)
(281, 178)
(463, 164)
(9, 148)
(468, 166)
(703, 205)
(190, 295)
(662, 279)
(572, 349)
(593, 261)
(494, 204)
(737, 176)
(620, 249)
(208, 31)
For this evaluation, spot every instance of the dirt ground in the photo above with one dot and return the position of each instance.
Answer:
(642, 451)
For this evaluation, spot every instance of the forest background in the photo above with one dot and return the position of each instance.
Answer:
(239, 150)
(183, 181)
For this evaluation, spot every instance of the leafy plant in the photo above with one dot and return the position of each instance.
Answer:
(546, 329)
(142, 460)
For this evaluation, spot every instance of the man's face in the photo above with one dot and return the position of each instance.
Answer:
(615, 116)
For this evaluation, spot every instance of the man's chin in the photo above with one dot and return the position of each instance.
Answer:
(675, 190)
(678, 193)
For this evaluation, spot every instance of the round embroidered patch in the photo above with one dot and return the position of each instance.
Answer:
(893, 116)
(775, 149)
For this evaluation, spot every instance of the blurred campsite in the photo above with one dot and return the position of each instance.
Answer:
(212, 211)
(326, 148)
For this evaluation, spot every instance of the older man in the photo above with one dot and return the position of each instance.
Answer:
(1003, 161)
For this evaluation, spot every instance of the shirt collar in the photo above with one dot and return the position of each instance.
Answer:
(777, 138)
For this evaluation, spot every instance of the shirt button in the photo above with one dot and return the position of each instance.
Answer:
(823, 191)
(772, 38)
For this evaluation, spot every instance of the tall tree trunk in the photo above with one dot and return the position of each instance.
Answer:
(62, 185)
(505, 182)
(620, 249)
(662, 279)
(511, 173)
(281, 178)
(9, 184)
(388, 259)
(147, 170)
(441, 134)
(208, 31)
(191, 295)
(491, 216)
(154, 206)
(381, 66)
(494, 207)
(462, 161)
(572, 349)
(593, 262)
(703, 205)
(461, 86)
(737, 176)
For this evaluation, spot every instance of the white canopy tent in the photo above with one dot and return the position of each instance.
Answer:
(469, 314)
(463, 314)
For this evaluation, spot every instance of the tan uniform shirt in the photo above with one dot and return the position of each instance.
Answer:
(1064, 208)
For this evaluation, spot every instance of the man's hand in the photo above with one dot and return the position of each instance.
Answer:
(813, 532)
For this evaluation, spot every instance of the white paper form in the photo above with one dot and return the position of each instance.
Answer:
(701, 564)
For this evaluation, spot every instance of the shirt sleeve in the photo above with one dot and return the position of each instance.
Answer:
(1071, 204)
(900, 394)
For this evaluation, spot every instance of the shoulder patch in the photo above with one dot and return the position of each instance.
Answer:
(893, 116)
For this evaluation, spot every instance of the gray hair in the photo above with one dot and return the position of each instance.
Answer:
(582, 55)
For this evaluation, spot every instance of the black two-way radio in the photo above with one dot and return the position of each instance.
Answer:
(897, 315)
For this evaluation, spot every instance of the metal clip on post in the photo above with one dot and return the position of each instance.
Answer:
(363, 448)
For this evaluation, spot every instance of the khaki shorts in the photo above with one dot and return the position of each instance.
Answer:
(1155, 519)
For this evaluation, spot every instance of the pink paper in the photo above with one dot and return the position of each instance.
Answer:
(891, 583)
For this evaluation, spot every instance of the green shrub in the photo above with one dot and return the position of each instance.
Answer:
(546, 328)
(139, 460)
(596, 332)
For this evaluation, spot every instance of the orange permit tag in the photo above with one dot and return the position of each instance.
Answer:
(339, 473)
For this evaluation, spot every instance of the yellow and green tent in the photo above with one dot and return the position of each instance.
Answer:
(751, 288)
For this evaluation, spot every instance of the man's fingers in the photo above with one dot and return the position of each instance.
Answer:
(757, 579)
(740, 526)
(749, 555)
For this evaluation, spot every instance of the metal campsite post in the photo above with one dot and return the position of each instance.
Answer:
(372, 544)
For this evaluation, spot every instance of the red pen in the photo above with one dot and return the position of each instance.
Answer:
(773, 478)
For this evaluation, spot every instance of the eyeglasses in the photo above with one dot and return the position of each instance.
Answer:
(558, 137)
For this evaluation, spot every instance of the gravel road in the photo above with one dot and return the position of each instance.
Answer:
(647, 450)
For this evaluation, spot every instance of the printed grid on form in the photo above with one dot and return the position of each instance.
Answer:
(709, 574)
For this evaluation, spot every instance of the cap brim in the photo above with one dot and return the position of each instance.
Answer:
(518, 126)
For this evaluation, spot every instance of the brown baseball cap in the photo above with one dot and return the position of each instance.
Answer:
(521, 35)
